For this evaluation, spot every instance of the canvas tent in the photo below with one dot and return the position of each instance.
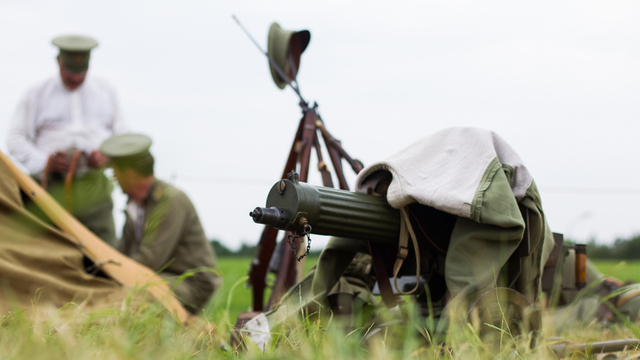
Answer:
(55, 267)
(37, 259)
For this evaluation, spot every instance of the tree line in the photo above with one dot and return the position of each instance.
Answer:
(245, 250)
(621, 249)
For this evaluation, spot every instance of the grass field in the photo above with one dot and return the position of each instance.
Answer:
(234, 271)
(623, 270)
(235, 297)
(147, 332)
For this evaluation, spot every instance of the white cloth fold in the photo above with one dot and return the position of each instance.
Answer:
(445, 169)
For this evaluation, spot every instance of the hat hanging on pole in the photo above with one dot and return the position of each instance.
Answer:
(285, 48)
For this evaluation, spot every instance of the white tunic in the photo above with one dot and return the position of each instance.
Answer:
(51, 118)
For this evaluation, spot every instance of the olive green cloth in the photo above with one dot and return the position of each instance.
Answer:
(41, 268)
(355, 279)
(174, 244)
(91, 202)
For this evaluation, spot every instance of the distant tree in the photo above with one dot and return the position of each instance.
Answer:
(598, 251)
(220, 249)
(621, 249)
(246, 250)
(627, 249)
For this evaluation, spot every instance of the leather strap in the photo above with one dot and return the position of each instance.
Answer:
(388, 298)
(406, 230)
(68, 181)
(45, 173)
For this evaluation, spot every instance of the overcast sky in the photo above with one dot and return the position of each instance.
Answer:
(560, 81)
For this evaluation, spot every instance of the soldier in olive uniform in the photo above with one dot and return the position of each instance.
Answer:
(162, 229)
(604, 298)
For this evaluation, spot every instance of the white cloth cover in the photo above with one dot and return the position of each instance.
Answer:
(445, 169)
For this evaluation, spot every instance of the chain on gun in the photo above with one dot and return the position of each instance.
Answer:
(291, 239)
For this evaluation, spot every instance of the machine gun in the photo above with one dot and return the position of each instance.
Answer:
(304, 209)
(284, 50)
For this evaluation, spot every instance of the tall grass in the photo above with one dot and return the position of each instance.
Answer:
(148, 332)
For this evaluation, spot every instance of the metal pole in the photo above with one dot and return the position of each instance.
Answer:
(596, 347)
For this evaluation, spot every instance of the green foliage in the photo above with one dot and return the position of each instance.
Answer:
(244, 251)
(220, 249)
(621, 249)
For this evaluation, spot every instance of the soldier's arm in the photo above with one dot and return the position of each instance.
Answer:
(21, 141)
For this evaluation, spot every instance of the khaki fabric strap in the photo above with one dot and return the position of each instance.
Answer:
(68, 181)
(406, 230)
(626, 297)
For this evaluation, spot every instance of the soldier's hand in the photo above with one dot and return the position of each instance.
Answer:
(98, 159)
(59, 162)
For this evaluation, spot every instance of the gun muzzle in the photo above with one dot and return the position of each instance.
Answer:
(273, 216)
(300, 207)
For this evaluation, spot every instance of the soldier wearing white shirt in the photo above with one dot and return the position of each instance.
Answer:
(56, 133)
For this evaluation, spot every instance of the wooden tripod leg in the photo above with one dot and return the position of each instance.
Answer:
(267, 244)
(287, 270)
(336, 152)
(260, 266)
(322, 167)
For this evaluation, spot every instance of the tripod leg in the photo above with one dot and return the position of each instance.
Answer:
(336, 152)
(322, 167)
(260, 266)
(286, 272)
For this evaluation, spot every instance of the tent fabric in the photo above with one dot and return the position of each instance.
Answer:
(41, 266)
